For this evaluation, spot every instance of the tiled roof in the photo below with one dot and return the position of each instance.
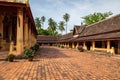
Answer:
(108, 25)
(47, 39)
(78, 29)
(111, 36)
(108, 28)
(66, 37)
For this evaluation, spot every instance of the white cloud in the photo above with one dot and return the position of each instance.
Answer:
(76, 8)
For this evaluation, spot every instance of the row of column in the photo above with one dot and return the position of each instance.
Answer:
(25, 36)
(109, 49)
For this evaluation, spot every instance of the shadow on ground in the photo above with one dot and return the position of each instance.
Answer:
(50, 52)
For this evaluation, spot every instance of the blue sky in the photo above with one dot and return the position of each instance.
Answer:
(76, 8)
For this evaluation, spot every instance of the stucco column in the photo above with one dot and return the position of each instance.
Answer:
(73, 46)
(26, 33)
(84, 45)
(1, 25)
(32, 38)
(118, 46)
(19, 45)
(77, 45)
(1, 29)
(11, 47)
(29, 35)
(35, 40)
(93, 45)
(108, 46)
(65, 45)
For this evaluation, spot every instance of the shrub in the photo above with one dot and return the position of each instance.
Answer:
(29, 53)
(59, 45)
(62, 46)
(80, 48)
(35, 47)
(10, 57)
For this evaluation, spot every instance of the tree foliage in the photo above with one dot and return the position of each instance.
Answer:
(96, 17)
(38, 24)
(66, 17)
(61, 26)
(52, 25)
(43, 20)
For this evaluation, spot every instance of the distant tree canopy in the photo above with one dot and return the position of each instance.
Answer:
(66, 17)
(38, 24)
(43, 20)
(53, 26)
(61, 26)
(95, 17)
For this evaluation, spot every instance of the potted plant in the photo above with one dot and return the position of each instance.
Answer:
(10, 57)
(29, 54)
(80, 48)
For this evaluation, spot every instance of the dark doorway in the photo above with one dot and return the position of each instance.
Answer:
(115, 45)
(88, 44)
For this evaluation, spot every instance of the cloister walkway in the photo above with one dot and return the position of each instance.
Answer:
(52, 63)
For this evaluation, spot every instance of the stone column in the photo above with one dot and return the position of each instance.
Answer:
(11, 47)
(118, 46)
(1, 25)
(19, 45)
(29, 35)
(26, 33)
(32, 38)
(84, 45)
(35, 40)
(73, 46)
(68, 45)
(93, 45)
(77, 45)
(1, 31)
(108, 46)
(65, 45)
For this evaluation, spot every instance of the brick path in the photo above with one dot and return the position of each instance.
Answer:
(53, 63)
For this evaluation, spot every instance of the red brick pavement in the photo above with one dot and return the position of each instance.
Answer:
(52, 63)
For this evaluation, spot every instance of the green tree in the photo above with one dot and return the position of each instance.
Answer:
(95, 17)
(38, 24)
(71, 30)
(43, 20)
(44, 32)
(66, 18)
(52, 26)
(61, 26)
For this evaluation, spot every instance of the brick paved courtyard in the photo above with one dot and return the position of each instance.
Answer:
(54, 63)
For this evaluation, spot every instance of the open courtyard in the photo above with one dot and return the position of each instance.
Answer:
(53, 63)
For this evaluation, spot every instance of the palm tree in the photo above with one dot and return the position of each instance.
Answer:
(43, 20)
(61, 26)
(38, 24)
(52, 25)
(66, 18)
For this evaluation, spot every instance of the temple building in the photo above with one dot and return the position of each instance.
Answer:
(17, 27)
(102, 36)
